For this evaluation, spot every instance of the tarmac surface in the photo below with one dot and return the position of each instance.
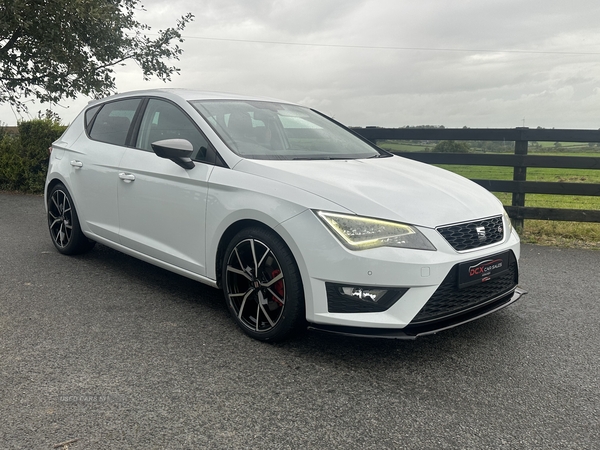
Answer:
(104, 351)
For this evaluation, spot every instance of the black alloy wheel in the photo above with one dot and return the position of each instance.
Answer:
(262, 285)
(63, 223)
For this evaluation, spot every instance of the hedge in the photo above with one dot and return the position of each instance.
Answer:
(24, 155)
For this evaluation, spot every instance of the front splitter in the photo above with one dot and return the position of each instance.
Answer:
(414, 331)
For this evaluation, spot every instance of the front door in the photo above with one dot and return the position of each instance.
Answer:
(162, 206)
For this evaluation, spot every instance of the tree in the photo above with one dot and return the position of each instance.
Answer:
(451, 147)
(56, 49)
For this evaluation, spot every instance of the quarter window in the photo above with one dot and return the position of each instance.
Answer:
(89, 115)
(113, 121)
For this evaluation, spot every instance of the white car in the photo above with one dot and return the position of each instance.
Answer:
(295, 217)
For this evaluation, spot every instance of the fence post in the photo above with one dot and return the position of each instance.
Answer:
(519, 174)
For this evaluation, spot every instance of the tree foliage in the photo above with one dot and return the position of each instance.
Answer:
(451, 147)
(24, 155)
(56, 49)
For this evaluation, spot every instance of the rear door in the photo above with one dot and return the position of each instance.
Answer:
(162, 207)
(94, 161)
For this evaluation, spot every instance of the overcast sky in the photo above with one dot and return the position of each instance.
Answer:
(391, 63)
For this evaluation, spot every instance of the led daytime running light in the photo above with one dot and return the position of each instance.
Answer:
(359, 233)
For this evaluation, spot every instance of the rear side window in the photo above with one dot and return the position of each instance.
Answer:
(112, 123)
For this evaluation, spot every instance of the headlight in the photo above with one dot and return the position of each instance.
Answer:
(359, 233)
(507, 224)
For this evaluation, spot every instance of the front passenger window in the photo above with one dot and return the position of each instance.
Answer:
(163, 120)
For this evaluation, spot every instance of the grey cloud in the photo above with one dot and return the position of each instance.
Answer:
(374, 86)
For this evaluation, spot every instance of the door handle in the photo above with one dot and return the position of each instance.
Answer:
(126, 177)
(76, 164)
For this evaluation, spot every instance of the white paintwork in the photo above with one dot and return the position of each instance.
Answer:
(162, 212)
(175, 218)
(392, 188)
(95, 183)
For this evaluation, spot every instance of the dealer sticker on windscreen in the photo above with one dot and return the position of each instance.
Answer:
(480, 271)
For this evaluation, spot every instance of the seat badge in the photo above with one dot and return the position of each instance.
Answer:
(480, 233)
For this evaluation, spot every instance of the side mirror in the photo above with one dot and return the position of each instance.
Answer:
(177, 150)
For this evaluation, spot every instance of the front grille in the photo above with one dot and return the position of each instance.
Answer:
(465, 236)
(448, 300)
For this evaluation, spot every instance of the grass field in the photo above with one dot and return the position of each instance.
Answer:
(545, 148)
(536, 174)
(574, 234)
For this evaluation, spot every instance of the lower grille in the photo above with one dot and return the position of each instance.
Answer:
(448, 300)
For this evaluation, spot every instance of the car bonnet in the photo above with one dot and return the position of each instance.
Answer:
(391, 188)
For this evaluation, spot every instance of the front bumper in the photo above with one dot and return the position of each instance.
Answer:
(427, 281)
(416, 330)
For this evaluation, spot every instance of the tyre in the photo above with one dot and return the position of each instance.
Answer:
(63, 223)
(262, 285)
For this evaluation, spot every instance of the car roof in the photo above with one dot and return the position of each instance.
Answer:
(187, 95)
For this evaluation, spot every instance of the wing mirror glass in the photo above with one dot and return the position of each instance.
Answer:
(177, 150)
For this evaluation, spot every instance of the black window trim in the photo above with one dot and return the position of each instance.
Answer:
(88, 126)
(135, 124)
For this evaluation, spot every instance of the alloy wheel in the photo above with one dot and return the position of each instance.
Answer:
(255, 285)
(60, 219)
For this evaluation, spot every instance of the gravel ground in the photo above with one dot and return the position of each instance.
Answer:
(110, 352)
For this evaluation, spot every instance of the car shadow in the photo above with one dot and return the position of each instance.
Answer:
(155, 278)
(497, 335)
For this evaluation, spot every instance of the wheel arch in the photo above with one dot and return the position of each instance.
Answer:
(281, 232)
(50, 186)
(228, 234)
(241, 224)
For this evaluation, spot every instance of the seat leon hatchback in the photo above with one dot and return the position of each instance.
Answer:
(299, 220)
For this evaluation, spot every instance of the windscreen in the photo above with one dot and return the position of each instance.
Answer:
(268, 130)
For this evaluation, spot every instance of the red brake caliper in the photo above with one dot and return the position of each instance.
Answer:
(277, 287)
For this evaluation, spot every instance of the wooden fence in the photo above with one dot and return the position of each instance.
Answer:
(520, 161)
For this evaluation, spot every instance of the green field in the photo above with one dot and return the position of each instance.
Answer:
(545, 231)
(544, 148)
(538, 231)
(536, 174)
